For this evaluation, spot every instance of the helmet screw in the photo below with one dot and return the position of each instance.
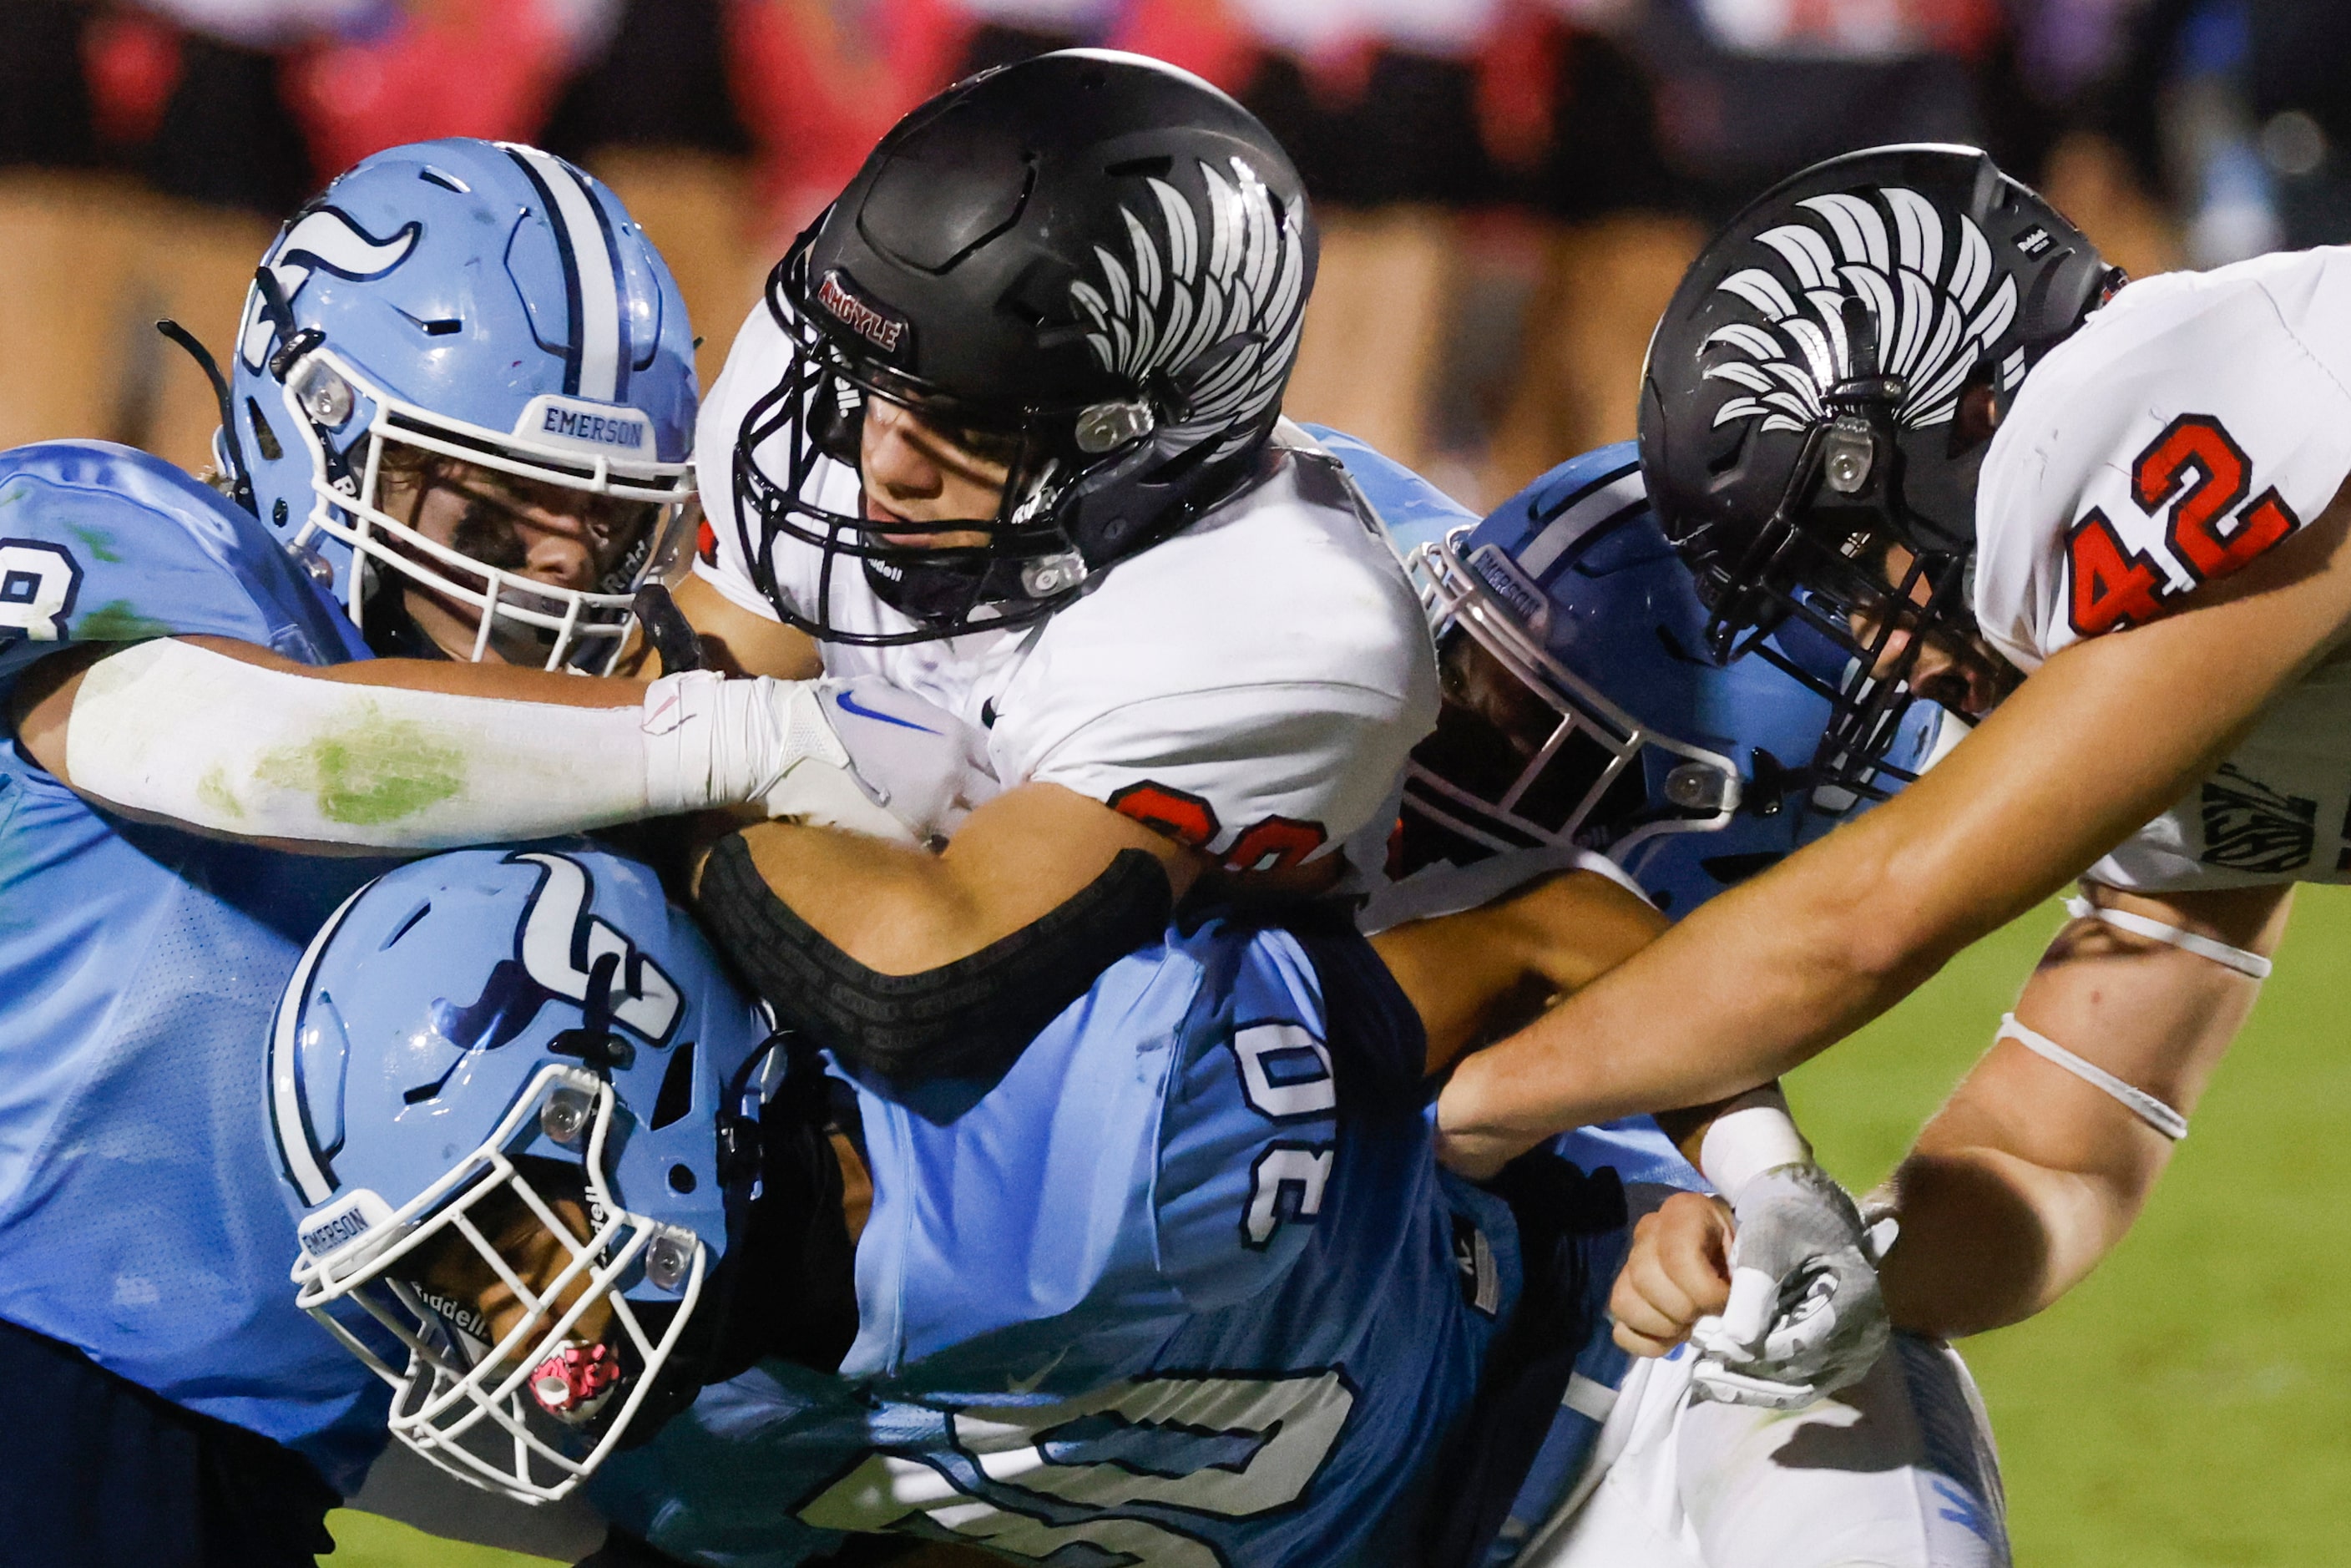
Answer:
(1848, 456)
(1050, 574)
(564, 1115)
(666, 1261)
(327, 397)
(1108, 425)
(1695, 787)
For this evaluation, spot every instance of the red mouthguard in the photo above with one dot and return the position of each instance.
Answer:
(573, 1384)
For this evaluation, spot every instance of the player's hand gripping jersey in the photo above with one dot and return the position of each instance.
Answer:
(1250, 685)
(2189, 427)
(1185, 1286)
(139, 1215)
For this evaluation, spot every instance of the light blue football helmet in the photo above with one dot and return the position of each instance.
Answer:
(484, 302)
(495, 1027)
(1581, 709)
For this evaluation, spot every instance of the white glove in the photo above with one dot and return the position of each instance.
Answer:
(927, 768)
(857, 754)
(1806, 1317)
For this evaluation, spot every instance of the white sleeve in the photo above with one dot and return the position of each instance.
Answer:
(183, 732)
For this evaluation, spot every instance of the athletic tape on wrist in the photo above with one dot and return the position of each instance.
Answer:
(2220, 953)
(2138, 1101)
(1755, 1136)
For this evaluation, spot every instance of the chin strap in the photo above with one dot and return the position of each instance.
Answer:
(2138, 1101)
(2251, 964)
(240, 477)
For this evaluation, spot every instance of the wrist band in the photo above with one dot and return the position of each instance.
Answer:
(1754, 1136)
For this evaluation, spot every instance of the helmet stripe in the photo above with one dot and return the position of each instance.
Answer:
(594, 356)
(622, 350)
(1603, 501)
(289, 1112)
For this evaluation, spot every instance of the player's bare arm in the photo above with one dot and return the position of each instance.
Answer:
(739, 641)
(2103, 737)
(1478, 975)
(903, 911)
(2030, 1174)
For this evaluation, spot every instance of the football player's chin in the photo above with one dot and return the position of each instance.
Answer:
(914, 533)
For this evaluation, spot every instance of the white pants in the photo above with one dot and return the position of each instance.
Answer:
(1898, 1471)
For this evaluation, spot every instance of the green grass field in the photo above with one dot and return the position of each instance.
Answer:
(2187, 1407)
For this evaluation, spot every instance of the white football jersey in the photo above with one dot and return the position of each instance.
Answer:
(2189, 427)
(1250, 685)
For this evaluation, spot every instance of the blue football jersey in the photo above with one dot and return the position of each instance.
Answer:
(1185, 1286)
(140, 1217)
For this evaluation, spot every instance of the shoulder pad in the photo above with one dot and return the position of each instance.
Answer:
(2096, 511)
(1414, 511)
(100, 543)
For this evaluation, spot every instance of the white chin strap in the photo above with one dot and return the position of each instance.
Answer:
(2138, 1101)
(2249, 964)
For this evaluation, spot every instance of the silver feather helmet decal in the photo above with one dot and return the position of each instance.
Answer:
(1181, 295)
(1930, 295)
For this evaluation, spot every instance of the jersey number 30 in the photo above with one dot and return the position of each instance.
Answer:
(2197, 468)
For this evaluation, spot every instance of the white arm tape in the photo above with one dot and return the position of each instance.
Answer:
(2220, 953)
(180, 732)
(2138, 1101)
(1756, 1134)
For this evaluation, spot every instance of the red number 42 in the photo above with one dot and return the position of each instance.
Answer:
(2199, 468)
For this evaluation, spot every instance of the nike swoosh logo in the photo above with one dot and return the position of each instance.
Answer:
(848, 701)
(1028, 1385)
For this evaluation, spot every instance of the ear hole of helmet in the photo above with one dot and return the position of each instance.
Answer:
(264, 438)
(1978, 413)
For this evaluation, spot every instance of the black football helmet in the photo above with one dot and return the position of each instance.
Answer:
(1819, 397)
(1088, 263)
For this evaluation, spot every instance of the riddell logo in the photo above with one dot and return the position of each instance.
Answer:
(464, 1319)
(870, 322)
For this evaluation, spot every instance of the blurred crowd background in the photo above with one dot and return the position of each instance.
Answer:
(1507, 189)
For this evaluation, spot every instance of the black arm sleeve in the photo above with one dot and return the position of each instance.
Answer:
(969, 1018)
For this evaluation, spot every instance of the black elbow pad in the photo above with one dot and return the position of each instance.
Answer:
(968, 1019)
